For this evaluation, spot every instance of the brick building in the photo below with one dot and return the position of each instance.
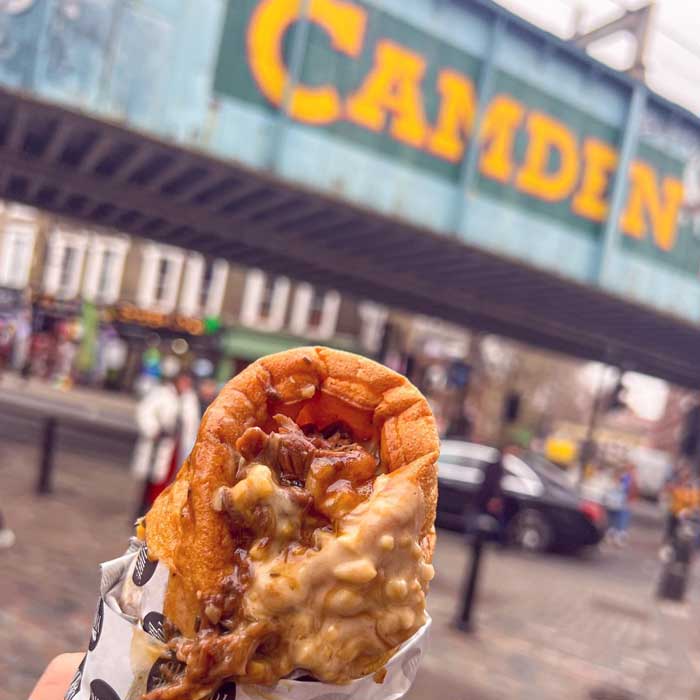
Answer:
(151, 295)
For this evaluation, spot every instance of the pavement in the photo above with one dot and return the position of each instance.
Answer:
(79, 406)
(556, 627)
(547, 627)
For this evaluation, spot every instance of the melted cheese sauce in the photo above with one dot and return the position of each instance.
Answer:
(344, 603)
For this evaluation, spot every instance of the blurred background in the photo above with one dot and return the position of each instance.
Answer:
(498, 199)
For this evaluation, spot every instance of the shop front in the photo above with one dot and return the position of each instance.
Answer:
(56, 333)
(15, 328)
(240, 346)
(119, 347)
(155, 345)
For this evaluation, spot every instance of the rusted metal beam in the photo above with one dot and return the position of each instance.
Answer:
(97, 152)
(169, 172)
(239, 210)
(17, 127)
(136, 161)
(215, 178)
(58, 141)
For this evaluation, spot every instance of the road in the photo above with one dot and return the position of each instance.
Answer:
(548, 627)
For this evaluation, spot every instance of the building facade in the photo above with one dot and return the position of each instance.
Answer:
(107, 308)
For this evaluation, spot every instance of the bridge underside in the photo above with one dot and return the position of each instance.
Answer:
(100, 173)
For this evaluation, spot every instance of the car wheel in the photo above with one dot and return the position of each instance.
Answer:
(530, 530)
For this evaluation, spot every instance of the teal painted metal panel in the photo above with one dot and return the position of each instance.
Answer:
(510, 230)
(394, 86)
(394, 189)
(610, 243)
(572, 79)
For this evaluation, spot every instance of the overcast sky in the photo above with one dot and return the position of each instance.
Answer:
(673, 53)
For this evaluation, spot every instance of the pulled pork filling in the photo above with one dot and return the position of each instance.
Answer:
(329, 576)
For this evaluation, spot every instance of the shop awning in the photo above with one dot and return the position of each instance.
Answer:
(246, 344)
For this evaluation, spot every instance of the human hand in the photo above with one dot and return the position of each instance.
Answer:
(56, 678)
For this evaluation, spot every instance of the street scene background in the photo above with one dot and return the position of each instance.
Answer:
(547, 626)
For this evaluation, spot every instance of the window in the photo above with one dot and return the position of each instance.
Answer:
(266, 303)
(265, 300)
(16, 253)
(203, 286)
(109, 260)
(160, 278)
(68, 263)
(316, 311)
(64, 263)
(373, 318)
(314, 314)
(104, 268)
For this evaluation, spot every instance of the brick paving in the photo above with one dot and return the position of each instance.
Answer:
(548, 627)
(553, 627)
(48, 580)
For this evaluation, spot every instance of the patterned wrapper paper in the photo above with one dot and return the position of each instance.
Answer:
(124, 656)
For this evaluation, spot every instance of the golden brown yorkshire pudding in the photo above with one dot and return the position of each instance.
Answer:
(299, 531)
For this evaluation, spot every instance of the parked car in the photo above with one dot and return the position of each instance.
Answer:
(541, 510)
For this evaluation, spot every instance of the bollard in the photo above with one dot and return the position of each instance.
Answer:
(479, 524)
(677, 558)
(46, 464)
(484, 525)
(463, 622)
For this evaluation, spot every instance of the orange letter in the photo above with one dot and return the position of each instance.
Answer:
(456, 116)
(600, 161)
(545, 135)
(393, 85)
(345, 24)
(501, 121)
(644, 195)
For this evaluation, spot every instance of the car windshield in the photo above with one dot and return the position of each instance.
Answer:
(519, 477)
(461, 460)
(548, 471)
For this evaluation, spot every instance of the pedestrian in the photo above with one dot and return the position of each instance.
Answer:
(680, 494)
(617, 500)
(168, 418)
(612, 500)
(23, 339)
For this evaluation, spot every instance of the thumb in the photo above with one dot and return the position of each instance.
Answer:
(56, 678)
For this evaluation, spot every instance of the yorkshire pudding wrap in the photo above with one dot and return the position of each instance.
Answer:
(300, 530)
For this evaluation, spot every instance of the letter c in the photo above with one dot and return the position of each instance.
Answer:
(345, 24)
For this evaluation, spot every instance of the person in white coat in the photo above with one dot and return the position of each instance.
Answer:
(168, 419)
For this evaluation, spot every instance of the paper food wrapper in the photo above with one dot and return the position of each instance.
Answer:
(124, 657)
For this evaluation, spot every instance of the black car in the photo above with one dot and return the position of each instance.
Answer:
(540, 510)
